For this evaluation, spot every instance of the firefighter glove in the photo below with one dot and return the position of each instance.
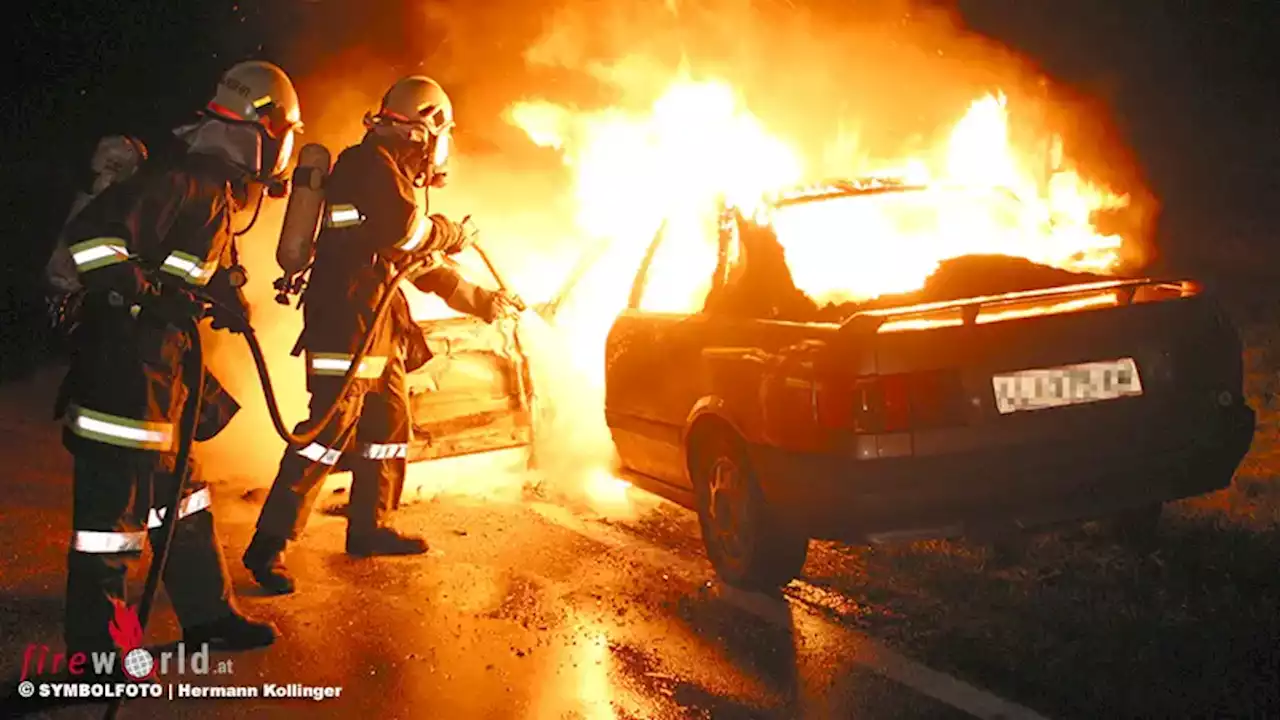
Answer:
(172, 306)
(228, 318)
(502, 304)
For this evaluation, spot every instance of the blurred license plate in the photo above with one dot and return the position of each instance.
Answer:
(1067, 385)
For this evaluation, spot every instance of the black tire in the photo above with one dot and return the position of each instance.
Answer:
(749, 546)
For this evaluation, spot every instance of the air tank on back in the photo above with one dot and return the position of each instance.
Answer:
(302, 219)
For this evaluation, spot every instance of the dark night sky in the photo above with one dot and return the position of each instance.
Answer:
(1191, 82)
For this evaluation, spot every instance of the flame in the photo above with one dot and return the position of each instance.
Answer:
(633, 172)
(985, 199)
(124, 627)
(698, 144)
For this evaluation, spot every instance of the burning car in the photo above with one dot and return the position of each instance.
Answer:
(1009, 401)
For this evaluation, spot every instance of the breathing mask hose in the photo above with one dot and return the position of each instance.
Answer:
(193, 368)
(273, 407)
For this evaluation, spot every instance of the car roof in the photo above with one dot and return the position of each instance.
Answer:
(842, 188)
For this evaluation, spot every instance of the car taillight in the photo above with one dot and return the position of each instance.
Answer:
(895, 403)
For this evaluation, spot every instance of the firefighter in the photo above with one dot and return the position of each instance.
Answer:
(142, 249)
(374, 226)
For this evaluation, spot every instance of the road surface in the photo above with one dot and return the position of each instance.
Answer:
(526, 607)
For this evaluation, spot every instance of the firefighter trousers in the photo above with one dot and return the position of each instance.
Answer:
(376, 457)
(118, 500)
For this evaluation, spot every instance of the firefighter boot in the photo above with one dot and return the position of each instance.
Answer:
(264, 559)
(231, 632)
(384, 541)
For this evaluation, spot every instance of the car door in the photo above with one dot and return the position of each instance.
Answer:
(474, 395)
(654, 370)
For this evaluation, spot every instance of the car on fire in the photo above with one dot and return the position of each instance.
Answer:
(978, 411)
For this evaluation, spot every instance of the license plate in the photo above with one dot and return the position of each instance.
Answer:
(1067, 385)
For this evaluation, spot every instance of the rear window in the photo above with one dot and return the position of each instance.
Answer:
(854, 248)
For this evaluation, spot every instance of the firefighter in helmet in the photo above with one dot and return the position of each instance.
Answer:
(373, 227)
(143, 249)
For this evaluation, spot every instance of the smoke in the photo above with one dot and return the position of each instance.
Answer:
(844, 82)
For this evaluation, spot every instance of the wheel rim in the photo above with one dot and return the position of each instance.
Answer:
(726, 506)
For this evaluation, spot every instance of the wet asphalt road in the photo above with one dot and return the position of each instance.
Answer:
(526, 607)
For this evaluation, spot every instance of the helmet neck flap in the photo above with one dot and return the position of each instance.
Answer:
(244, 145)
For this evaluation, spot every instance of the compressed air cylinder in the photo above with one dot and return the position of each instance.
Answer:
(303, 215)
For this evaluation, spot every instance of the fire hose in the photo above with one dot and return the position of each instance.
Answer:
(193, 369)
(264, 376)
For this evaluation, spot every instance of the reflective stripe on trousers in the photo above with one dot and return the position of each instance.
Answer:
(384, 451)
(343, 215)
(315, 452)
(120, 431)
(107, 542)
(337, 364)
(189, 268)
(98, 252)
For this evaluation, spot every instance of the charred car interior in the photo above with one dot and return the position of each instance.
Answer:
(1002, 396)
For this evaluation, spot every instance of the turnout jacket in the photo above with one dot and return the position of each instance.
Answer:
(372, 229)
(138, 247)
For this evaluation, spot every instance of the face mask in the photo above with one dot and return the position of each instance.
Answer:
(440, 155)
(284, 154)
(439, 166)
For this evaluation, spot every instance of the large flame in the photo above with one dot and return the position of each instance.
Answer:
(634, 170)
(698, 144)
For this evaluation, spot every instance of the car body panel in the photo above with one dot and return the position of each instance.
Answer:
(467, 398)
(763, 379)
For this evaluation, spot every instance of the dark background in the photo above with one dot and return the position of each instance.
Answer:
(1192, 86)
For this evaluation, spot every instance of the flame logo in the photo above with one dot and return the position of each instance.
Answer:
(124, 627)
(126, 631)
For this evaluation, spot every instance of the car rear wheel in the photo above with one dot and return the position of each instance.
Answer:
(748, 544)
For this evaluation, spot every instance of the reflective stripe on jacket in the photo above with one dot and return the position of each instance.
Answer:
(168, 226)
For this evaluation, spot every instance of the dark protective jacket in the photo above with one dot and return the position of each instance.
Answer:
(373, 227)
(138, 247)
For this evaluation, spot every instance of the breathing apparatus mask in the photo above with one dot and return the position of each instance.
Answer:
(249, 146)
(423, 146)
(252, 147)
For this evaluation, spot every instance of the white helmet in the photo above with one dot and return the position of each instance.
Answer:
(261, 94)
(417, 109)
